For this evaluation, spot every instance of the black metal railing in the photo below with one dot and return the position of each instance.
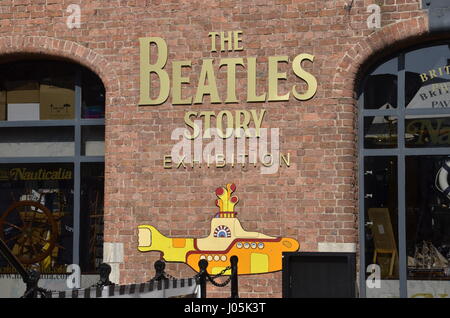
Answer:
(104, 270)
(31, 277)
(203, 277)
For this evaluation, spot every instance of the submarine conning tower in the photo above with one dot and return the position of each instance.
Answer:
(226, 201)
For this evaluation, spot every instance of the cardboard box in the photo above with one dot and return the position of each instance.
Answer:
(22, 92)
(56, 102)
(2, 105)
(25, 111)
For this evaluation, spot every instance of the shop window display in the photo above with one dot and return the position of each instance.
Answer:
(427, 217)
(51, 165)
(37, 222)
(405, 192)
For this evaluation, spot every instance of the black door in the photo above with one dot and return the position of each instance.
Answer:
(319, 275)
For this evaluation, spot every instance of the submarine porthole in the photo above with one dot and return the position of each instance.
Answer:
(222, 231)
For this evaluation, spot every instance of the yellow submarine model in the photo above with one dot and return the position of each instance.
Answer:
(257, 253)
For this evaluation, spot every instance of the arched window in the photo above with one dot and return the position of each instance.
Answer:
(51, 164)
(404, 159)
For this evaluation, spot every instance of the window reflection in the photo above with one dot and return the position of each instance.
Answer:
(428, 77)
(380, 90)
(380, 132)
(432, 131)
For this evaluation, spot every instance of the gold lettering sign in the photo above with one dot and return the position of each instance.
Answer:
(40, 174)
(434, 73)
(233, 121)
(157, 91)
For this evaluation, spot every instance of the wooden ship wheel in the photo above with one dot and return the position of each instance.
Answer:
(30, 230)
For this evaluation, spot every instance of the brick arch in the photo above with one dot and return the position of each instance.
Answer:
(66, 49)
(345, 79)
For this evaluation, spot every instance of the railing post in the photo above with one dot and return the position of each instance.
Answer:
(160, 266)
(234, 277)
(203, 264)
(32, 284)
(104, 270)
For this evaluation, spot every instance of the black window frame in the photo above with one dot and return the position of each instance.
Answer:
(400, 152)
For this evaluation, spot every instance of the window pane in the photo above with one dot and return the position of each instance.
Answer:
(427, 132)
(383, 79)
(381, 223)
(57, 91)
(37, 142)
(380, 132)
(36, 214)
(427, 224)
(93, 96)
(93, 141)
(428, 78)
(38, 90)
(91, 236)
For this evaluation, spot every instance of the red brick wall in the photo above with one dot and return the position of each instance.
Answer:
(314, 200)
